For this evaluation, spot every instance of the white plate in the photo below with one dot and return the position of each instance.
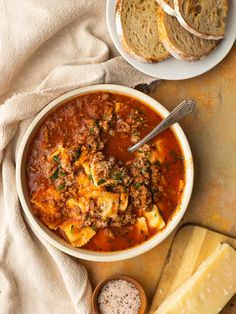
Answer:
(172, 69)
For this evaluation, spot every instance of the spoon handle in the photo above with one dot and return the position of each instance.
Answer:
(183, 109)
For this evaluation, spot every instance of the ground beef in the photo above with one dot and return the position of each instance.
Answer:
(95, 222)
(122, 126)
(136, 119)
(141, 197)
(155, 176)
(102, 168)
(129, 217)
(140, 170)
(108, 113)
(93, 111)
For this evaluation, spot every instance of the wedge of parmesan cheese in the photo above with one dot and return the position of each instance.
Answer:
(209, 289)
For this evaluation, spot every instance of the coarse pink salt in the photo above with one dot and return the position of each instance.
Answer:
(119, 297)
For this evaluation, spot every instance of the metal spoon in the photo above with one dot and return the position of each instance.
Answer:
(183, 109)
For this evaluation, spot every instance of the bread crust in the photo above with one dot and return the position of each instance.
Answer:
(166, 7)
(167, 43)
(124, 42)
(173, 50)
(188, 27)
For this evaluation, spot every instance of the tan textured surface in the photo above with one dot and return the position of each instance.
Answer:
(212, 136)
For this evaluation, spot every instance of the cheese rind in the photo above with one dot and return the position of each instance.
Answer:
(208, 289)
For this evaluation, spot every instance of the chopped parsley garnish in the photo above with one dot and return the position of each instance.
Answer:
(153, 190)
(140, 111)
(90, 177)
(175, 156)
(61, 186)
(54, 176)
(157, 163)
(57, 172)
(118, 176)
(91, 130)
(97, 123)
(115, 176)
(78, 153)
(101, 181)
(94, 227)
(137, 185)
(56, 159)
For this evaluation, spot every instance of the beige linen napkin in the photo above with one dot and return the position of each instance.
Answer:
(46, 48)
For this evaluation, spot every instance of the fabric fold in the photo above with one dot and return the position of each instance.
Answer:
(47, 49)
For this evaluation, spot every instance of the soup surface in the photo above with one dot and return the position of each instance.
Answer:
(86, 186)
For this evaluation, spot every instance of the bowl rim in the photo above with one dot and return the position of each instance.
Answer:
(43, 232)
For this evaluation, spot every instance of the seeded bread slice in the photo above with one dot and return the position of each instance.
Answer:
(205, 19)
(167, 6)
(179, 42)
(138, 30)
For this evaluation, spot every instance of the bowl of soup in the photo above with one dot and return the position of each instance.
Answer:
(80, 188)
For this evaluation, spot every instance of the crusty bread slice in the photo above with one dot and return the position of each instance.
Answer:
(167, 6)
(138, 30)
(179, 42)
(205, 19)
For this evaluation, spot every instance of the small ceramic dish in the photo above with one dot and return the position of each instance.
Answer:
(98, 288)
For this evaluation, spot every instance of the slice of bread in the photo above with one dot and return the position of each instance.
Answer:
(167, 6)
(205, 19)
(179, 42)
(138, 30)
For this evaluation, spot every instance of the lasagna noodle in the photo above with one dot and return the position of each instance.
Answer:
(78, 237)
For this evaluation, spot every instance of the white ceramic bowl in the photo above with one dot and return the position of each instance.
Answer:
(45, 233)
